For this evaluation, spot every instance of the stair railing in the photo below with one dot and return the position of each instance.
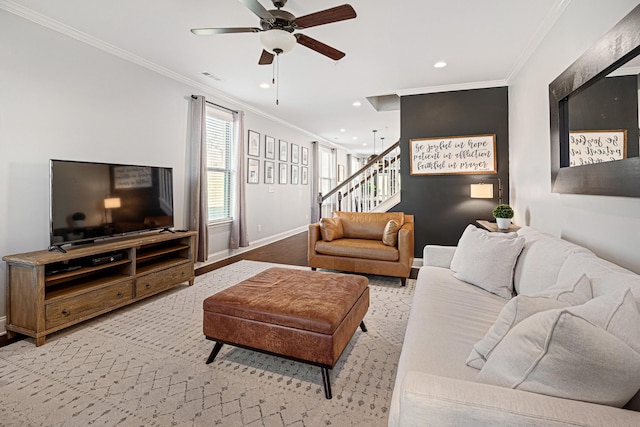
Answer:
(368, 188)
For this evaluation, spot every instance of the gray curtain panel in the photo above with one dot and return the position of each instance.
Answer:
(238, 237)
(197, 176)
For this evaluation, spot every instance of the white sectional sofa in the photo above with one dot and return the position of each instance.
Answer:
(434, 386)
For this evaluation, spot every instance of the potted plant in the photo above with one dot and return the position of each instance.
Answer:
(78, 219)
(503, 214)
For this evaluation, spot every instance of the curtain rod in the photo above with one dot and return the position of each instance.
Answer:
(217, 105)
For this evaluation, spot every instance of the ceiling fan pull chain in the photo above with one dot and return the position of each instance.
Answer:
(278, 79)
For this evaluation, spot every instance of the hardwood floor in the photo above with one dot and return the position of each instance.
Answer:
(291, 251)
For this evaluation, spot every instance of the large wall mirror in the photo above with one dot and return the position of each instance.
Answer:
(595, 119)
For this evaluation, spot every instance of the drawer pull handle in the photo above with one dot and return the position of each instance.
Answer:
(119, 294)
(66, 312)
(182, 274)
(148, 286)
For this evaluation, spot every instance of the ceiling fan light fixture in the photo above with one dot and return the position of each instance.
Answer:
(277, 41)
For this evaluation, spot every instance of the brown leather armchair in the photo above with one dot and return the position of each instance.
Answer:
(361, 249)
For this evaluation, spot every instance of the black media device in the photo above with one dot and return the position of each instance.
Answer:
(91, 201)
(106, 259)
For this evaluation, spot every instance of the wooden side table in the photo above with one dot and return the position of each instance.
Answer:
(493, 227)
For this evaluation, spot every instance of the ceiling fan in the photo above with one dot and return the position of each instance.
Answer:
(277, 27)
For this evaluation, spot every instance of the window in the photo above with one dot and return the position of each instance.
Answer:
(219, 169)
(326, 167)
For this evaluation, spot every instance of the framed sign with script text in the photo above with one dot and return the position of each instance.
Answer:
(472, 154)
(587, 147)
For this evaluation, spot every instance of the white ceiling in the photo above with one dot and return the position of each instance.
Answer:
(390, 49)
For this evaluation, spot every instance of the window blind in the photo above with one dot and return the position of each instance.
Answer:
(219, 137)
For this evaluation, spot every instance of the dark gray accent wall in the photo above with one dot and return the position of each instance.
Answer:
(610, 103)
(441, 203)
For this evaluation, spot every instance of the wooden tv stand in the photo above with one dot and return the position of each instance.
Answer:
(48, 291)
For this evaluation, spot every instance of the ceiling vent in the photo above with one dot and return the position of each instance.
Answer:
(211, 76)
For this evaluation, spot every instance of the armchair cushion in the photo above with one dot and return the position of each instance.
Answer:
(370, 225)
(390, 233)
(331, 229)
(358, 248)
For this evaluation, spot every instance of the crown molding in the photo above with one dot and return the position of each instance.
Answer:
(548, 22)
(452, 87)
(73, 33)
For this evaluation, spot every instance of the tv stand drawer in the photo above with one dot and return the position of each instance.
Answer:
(158, 281)
(86, 305)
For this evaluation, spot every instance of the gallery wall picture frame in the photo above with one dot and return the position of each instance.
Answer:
(253, 171)
(295, 152)
(294, 174)
(269, 147)
(304, 175)
(253, 148)
(283, 155)
(453, 155)
(305, 156)
(269, 172)
(282, 175)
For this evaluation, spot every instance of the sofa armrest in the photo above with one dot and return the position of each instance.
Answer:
(406, 244)
(438, 256)
(314, 236)
(429, 400)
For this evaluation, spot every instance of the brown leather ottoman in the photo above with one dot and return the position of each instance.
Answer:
(303, 315)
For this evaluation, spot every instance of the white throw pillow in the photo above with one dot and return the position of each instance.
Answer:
(615, 312)
(523, 306)
(466, 234)
(487, 261)
(565, 353)
(576, 294)
(514, 312)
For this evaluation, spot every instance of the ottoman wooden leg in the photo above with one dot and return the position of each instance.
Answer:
(363, 327)
(327, 383)
(214, 352)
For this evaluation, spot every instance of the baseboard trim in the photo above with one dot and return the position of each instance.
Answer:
(228, 253)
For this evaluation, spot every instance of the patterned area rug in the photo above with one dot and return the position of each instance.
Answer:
(144, 365)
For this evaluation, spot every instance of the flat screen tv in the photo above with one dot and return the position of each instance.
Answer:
(92, 201)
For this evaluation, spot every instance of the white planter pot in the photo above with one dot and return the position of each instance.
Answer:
(503, 223)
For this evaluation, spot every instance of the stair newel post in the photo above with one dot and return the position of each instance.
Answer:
(319, 201)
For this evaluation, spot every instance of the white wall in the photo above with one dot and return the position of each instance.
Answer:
(610, 226)
(61, 98)
(272, 209)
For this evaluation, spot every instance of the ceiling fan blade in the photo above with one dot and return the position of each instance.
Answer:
(262, 13)
(320, 47)
(335, 14)
(210, 31)
(266, 58)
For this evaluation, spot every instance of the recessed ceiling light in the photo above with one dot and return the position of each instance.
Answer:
(355, 138)
(265, 85)
(440, 64)
(364, 144)
(357, 103)
(343, 130)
